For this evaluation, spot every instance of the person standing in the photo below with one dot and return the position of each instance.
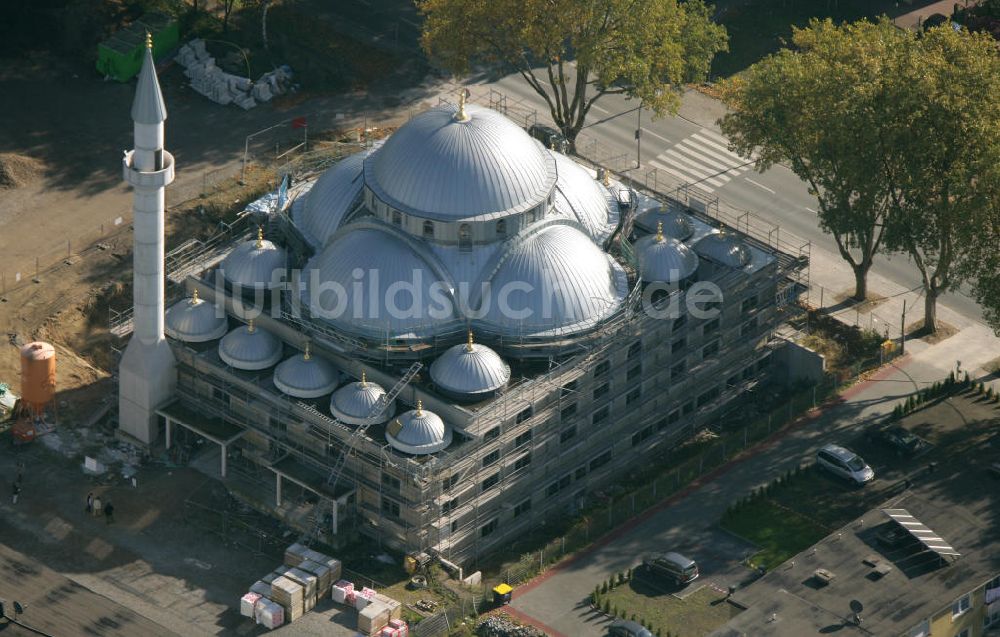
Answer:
(90, 503)
(109, 512)
(16, 492)
(97, 505)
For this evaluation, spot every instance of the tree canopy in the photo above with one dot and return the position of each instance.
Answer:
(573, 52)
(821, 108)
(898, 135)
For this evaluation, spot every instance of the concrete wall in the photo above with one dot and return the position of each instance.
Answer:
(795, 363)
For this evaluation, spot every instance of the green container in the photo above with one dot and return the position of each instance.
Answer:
(120, 56)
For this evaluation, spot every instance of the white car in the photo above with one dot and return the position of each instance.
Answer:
(844, 463)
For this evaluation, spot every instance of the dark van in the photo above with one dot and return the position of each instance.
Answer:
(672, 567)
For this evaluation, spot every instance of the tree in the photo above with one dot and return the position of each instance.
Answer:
(945, 170)
(573, 52)
(820, 108)
(227, 9)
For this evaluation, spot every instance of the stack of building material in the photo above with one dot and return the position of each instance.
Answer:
(343, 592)
(394, 606)
(402, 630)
(290, 596)
(269, 614)
(226, 88)
(296, 554)
(363, 597)
(308, 582)
(372, 619)
(262, 588)
(324, 576)
(248, 603)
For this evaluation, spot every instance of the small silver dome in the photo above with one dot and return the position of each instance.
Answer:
(724, 249)
(194, 321)
(306, 376)
(353, 403)
(250, 348)
(470, 370)
(252, 264)
(664, 259)
(676, 224)
(418, 432)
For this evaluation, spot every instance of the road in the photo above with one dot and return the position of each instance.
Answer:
(686, 152)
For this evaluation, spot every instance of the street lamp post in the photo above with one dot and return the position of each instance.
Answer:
(638, 136)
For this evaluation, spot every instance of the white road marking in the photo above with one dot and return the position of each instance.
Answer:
(598, 108)
(699, 172)
(684, 178)
(703, 157)
(656, 135)
(410, 22)
(724, 150)
(759, 185)
(711, 134)
(811, 210)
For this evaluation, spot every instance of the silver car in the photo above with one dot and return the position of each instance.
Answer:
(844, 463)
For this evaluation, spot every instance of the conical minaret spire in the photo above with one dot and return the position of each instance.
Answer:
(147, 373)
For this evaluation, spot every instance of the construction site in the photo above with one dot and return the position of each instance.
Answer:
(508, 421)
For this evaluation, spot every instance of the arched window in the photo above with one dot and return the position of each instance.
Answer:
(397, 218)
(502, 228)
(464, 238)
(428, 230)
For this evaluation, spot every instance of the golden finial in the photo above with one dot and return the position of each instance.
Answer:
(149, 40)
(468, 344)
(250, 327)
(461, 115)
(194, 297)
(420, 408)
(607, 177)
(659, 231)
(260, 237)
(364, 379)
(305, 354)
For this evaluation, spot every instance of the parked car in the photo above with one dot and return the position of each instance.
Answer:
(673, 567)
(623, 628)
(844, 463)
(901, 440)
(550, 137)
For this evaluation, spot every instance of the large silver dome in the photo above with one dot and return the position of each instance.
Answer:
(306, 376)
(194, 321)
(439, 166)
(418, 432)
(582, 198)
(353, 403)
(470, 370)
(552, 281)
(664, 259)
(250, 348)
(330, 199)
(676, 224)
(252, 264)
(723, 248)
(380, 258)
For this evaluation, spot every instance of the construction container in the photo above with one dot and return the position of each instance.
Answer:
(120, 56)
(38, 377)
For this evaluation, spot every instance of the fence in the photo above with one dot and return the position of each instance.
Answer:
(882, 323)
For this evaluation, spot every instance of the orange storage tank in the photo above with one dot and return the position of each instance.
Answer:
(38, 375)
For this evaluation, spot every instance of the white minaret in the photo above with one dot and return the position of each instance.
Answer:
(147, 374)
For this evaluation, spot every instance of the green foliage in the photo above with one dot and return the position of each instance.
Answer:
(628, 574)
(607, 606)
(646, 50)
(604, 587)
(621, 578)
(633, 617)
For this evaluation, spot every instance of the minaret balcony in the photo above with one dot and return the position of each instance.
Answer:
(148, 180)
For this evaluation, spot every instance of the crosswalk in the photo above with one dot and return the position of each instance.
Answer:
(702, 160)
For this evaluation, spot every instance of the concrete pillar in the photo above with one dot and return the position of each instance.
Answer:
(277, 490)
(335, 514)
(222, 459)
(169, 427)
